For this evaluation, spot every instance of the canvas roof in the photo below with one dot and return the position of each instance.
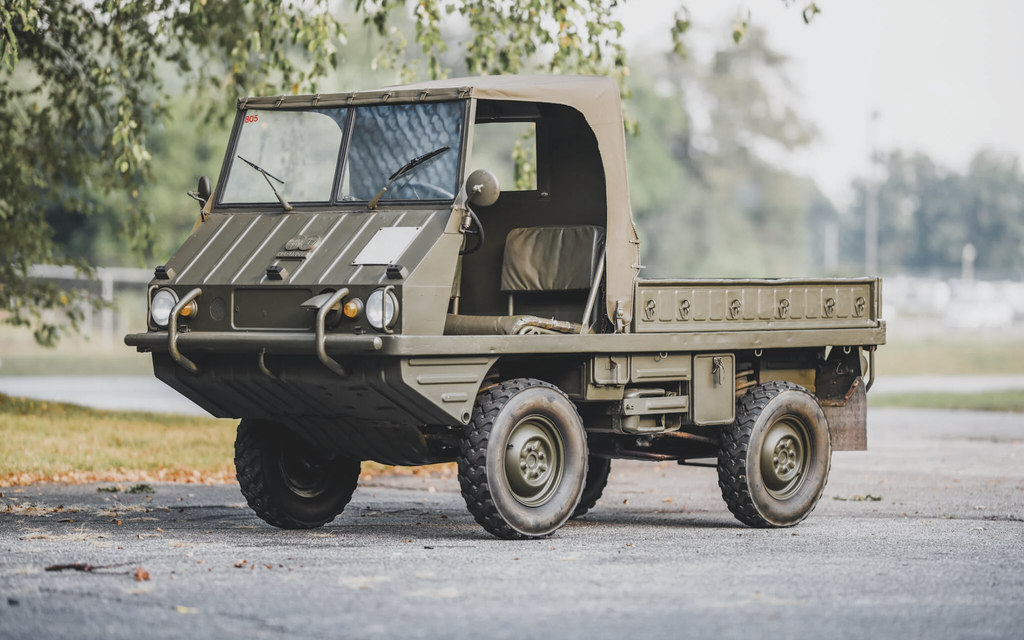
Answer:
(596, 97)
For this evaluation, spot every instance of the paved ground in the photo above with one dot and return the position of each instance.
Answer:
(146, 393)
(941, 555)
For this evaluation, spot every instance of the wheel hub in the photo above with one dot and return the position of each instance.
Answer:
(302, 474)
(784, 458)
(534, 461)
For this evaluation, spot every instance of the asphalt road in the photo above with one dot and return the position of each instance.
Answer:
(941, 555)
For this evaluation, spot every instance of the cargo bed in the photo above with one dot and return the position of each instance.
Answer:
(671, 306)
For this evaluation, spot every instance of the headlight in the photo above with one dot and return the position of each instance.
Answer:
(381, 311)
(160, 308)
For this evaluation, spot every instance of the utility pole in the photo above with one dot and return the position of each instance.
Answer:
(871, 202)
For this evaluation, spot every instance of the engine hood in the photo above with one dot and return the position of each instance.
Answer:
(314, 248)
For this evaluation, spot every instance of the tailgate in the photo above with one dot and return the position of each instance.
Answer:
(668, 306)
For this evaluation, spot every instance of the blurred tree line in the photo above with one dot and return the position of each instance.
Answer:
(710, 194)
(928, 213)
(708, 185)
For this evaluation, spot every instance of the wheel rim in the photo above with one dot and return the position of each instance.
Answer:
(534, 460)
(784, 457)
(302, 475)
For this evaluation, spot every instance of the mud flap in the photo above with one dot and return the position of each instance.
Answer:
(848, 418)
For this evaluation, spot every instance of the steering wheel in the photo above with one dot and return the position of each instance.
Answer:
(415, 185)
(479, 233)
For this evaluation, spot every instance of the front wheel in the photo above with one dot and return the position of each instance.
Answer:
(523, 459)
(287, 482)
(774, 459)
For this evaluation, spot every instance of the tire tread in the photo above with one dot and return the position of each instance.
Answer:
(472, 457)
(733, 449)
(250, 471)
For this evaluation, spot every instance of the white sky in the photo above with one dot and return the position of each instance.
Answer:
(947, 76)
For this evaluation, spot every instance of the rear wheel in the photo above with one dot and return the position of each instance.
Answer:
(288, 482)
(774, 459)
(597, 479)
(523, 459)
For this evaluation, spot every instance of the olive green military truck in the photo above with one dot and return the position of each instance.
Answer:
(353, 290)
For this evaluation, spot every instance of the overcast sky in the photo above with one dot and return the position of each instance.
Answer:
(945, 76)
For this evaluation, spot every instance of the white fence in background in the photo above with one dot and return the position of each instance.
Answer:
(957, 303)
(112, 282)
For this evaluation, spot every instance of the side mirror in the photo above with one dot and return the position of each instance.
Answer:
(202, 193)
(482, 188)
(204, 190)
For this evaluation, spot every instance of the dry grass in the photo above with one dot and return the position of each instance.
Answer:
(950, 357)
(986, 401)
(58, 442)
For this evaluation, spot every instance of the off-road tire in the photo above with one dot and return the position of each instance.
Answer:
(259, 445)
(763, 413)
(597, 479)
(499, 415)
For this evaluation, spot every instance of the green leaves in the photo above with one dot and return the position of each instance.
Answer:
(680, 25)
(809, 12)
(80, 92)
(15, 16)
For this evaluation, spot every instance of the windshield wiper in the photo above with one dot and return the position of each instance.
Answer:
(267, 177)
(406, 168)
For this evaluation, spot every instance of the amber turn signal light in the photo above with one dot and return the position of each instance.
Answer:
(189, 309)
(352, 308)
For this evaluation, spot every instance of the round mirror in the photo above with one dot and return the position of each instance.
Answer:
(482, 187)
(204, 189)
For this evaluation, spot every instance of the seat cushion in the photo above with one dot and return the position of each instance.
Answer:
(551, 258)
(459, 325)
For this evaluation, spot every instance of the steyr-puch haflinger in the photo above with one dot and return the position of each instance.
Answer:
(339, 295)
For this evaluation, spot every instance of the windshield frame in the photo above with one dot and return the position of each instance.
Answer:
(339, 170)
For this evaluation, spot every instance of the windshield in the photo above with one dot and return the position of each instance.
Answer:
(386, 137)
(300, 151)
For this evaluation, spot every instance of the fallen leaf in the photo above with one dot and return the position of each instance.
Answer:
(181, 609)
(141, 575)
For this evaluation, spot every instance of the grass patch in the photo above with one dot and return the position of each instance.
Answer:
(60, 442)
(986, 401)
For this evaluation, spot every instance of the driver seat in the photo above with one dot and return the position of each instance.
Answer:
(539, 259)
